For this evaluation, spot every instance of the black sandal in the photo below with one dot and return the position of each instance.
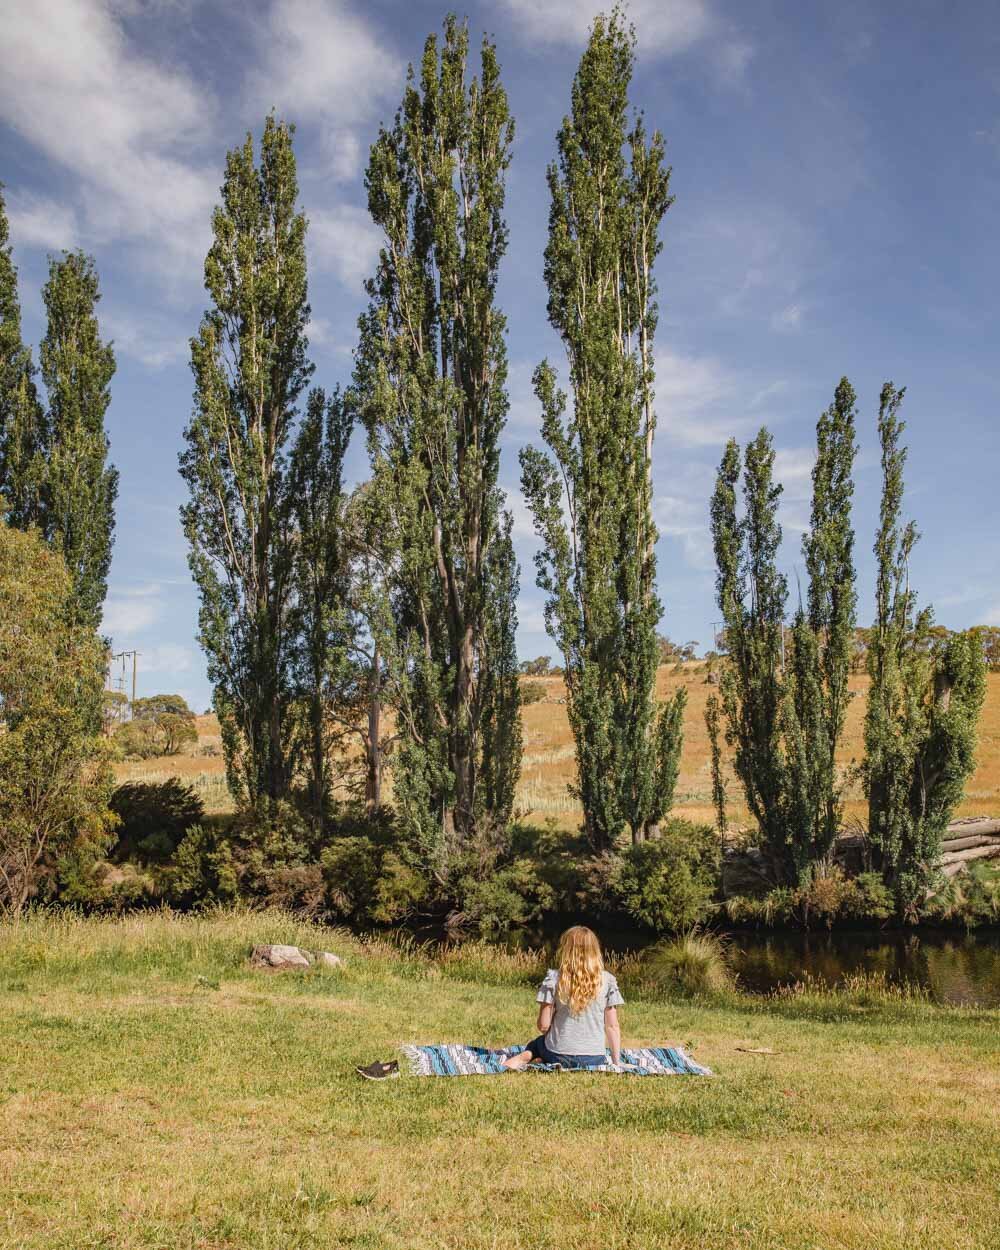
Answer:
(378, 1071)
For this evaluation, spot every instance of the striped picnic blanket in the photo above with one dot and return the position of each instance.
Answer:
(458, 1060)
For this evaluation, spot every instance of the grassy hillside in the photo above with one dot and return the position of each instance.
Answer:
(548, 755)
(155, 1092)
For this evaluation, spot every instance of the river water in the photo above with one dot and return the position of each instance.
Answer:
(962, 969)
(957, 968)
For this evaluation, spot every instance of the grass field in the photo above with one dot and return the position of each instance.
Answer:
(155, 1092)
(548, 766)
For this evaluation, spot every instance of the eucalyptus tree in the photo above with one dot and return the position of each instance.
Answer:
(250, 369)
(23, 425)
(430, 382)
(591, 493)
(79, 486)
(923, 703)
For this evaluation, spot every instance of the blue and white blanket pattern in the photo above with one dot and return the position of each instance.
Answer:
(459, 1060)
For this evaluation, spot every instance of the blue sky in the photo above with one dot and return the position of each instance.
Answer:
(837, 174)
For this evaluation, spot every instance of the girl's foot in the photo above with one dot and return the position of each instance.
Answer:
(517, 1063)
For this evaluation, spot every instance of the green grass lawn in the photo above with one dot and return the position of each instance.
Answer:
(156, 1092)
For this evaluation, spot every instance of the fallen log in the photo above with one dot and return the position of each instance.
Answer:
(951, 864)
(974, 824)
(963, 844)
(974, 852)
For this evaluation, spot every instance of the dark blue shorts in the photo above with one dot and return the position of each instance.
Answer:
(541, 1052)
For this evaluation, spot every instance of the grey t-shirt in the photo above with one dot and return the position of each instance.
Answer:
(582, 1034)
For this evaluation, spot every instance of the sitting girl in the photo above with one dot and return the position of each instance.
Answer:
(579, 1009)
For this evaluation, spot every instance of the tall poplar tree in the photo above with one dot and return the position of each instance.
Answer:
(250, 369)
(322, 615)
(591, 494)
(822, 638)
(80, 487)
(923, 703)
(54, 471)
(24, 434)
(785, 713)
(751, 594)
(431, 389)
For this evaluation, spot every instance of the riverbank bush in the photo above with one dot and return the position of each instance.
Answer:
(828, 897)
(695, 965)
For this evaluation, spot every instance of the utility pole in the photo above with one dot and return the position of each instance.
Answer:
(123, 656)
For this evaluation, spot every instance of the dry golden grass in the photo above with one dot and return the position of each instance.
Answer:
(548, 766)
(548, 752)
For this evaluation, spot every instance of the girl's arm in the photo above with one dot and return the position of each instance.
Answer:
(613, 1033)
(544, 1018)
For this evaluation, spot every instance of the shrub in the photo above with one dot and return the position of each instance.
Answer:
(137, 740)
(828, 896)
(871, 898)
(533, 691)
(154, 818)
(351, 871)
(203, 868)
(670, 883)
(971, 897)
(369, 879)
(693, 966)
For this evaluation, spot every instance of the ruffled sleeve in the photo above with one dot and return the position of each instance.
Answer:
(614, 998)
(547, 989)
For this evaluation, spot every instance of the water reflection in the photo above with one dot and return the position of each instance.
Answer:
(959, 969)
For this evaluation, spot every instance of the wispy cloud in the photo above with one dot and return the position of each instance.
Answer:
(167, 657)
(699, 400)
(320, 61)
(40, 221)
(75, 86)
(145, 335)
(343, 241)
(130, 612)
(663, 27)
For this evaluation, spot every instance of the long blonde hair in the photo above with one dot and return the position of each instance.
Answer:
(580, 968)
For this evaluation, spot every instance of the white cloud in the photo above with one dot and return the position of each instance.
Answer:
(793, 467)
(322, 62)
(664, 26)
(168, 657)
(76, 88)
(696, 398)
(153, 340)
(344, 241)
(684, 517)
(523, 528)
(524, 417)
(39, 221)
(130, 612)
(320, 59)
